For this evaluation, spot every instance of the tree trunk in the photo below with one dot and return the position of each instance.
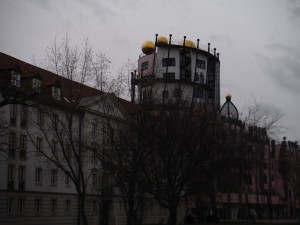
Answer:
(82, 209)
(172, 219)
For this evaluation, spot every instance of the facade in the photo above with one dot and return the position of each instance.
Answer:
(170, 70)
(261, 176)
(46, 117)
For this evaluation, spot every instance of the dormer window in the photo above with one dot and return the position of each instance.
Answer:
(36, 85)
(56, 92)
(15, 78)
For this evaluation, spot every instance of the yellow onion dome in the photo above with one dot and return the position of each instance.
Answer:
(189, 43)
(228, 96)
(148, 47)
(162, 40)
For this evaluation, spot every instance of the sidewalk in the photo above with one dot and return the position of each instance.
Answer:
(266, 221)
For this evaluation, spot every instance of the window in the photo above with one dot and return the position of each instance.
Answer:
(10, 176)
(177, 93)
(15, 78)
(10, 206)
(36, 85)
(56, 93)
(165, 94)
(94, 207)
(68, 206)
(22, 177)
(12, 145)
(20, 205)
(145, 66)
(200, 64)
(169, 76)
(39, 144)
(38, 206)
(168, 62)
(38, 175)
(40, 117)
(68, 151)
(23, 147)
(53, 177)
(23, 116)
(94, 129)
(94, 177)
(54, 148)
(53, 205)
(13, 114)
(67, 179)
(55, 120)
(105, 136)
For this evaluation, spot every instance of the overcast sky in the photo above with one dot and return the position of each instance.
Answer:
(258, 40)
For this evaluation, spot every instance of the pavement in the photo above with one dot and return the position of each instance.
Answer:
(267, 221)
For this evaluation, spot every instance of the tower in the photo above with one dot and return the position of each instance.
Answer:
(177, 70)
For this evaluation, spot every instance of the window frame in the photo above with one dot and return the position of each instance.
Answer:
(200, 64)
(56, 93)
(12, 146)
(10, 206)
(166, 62)
(53, 206)
(22, 146)
(21, 204)
(53, 177)
(36, 85)
(38, 176)
(38, 206)
(145, 66)
(15, 78)
(68, 206)
(169, 76)
(24, 117)
(13, 114)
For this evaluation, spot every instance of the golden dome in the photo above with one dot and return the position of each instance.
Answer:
(148, 47)
(162, 40)
(189, 43)
(228, 95)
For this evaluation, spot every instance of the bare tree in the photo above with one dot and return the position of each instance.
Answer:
(266, 117)
(121, 85)
(84, 65)
(57, 136)
(175, 141)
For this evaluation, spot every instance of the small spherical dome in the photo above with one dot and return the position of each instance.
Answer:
(148, 47)
(228, 95)
(162, 40)
(189, 43)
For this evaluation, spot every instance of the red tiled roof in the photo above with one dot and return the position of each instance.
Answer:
(70, 90)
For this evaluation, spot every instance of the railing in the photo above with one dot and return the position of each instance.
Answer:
(201, 47)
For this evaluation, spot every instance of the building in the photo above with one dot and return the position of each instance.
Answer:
(177, 69)
(46, 118)
(48, 127)
(261, 176)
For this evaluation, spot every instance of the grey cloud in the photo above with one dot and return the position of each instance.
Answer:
(282, 66)
(293, 7)
(226, 40)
